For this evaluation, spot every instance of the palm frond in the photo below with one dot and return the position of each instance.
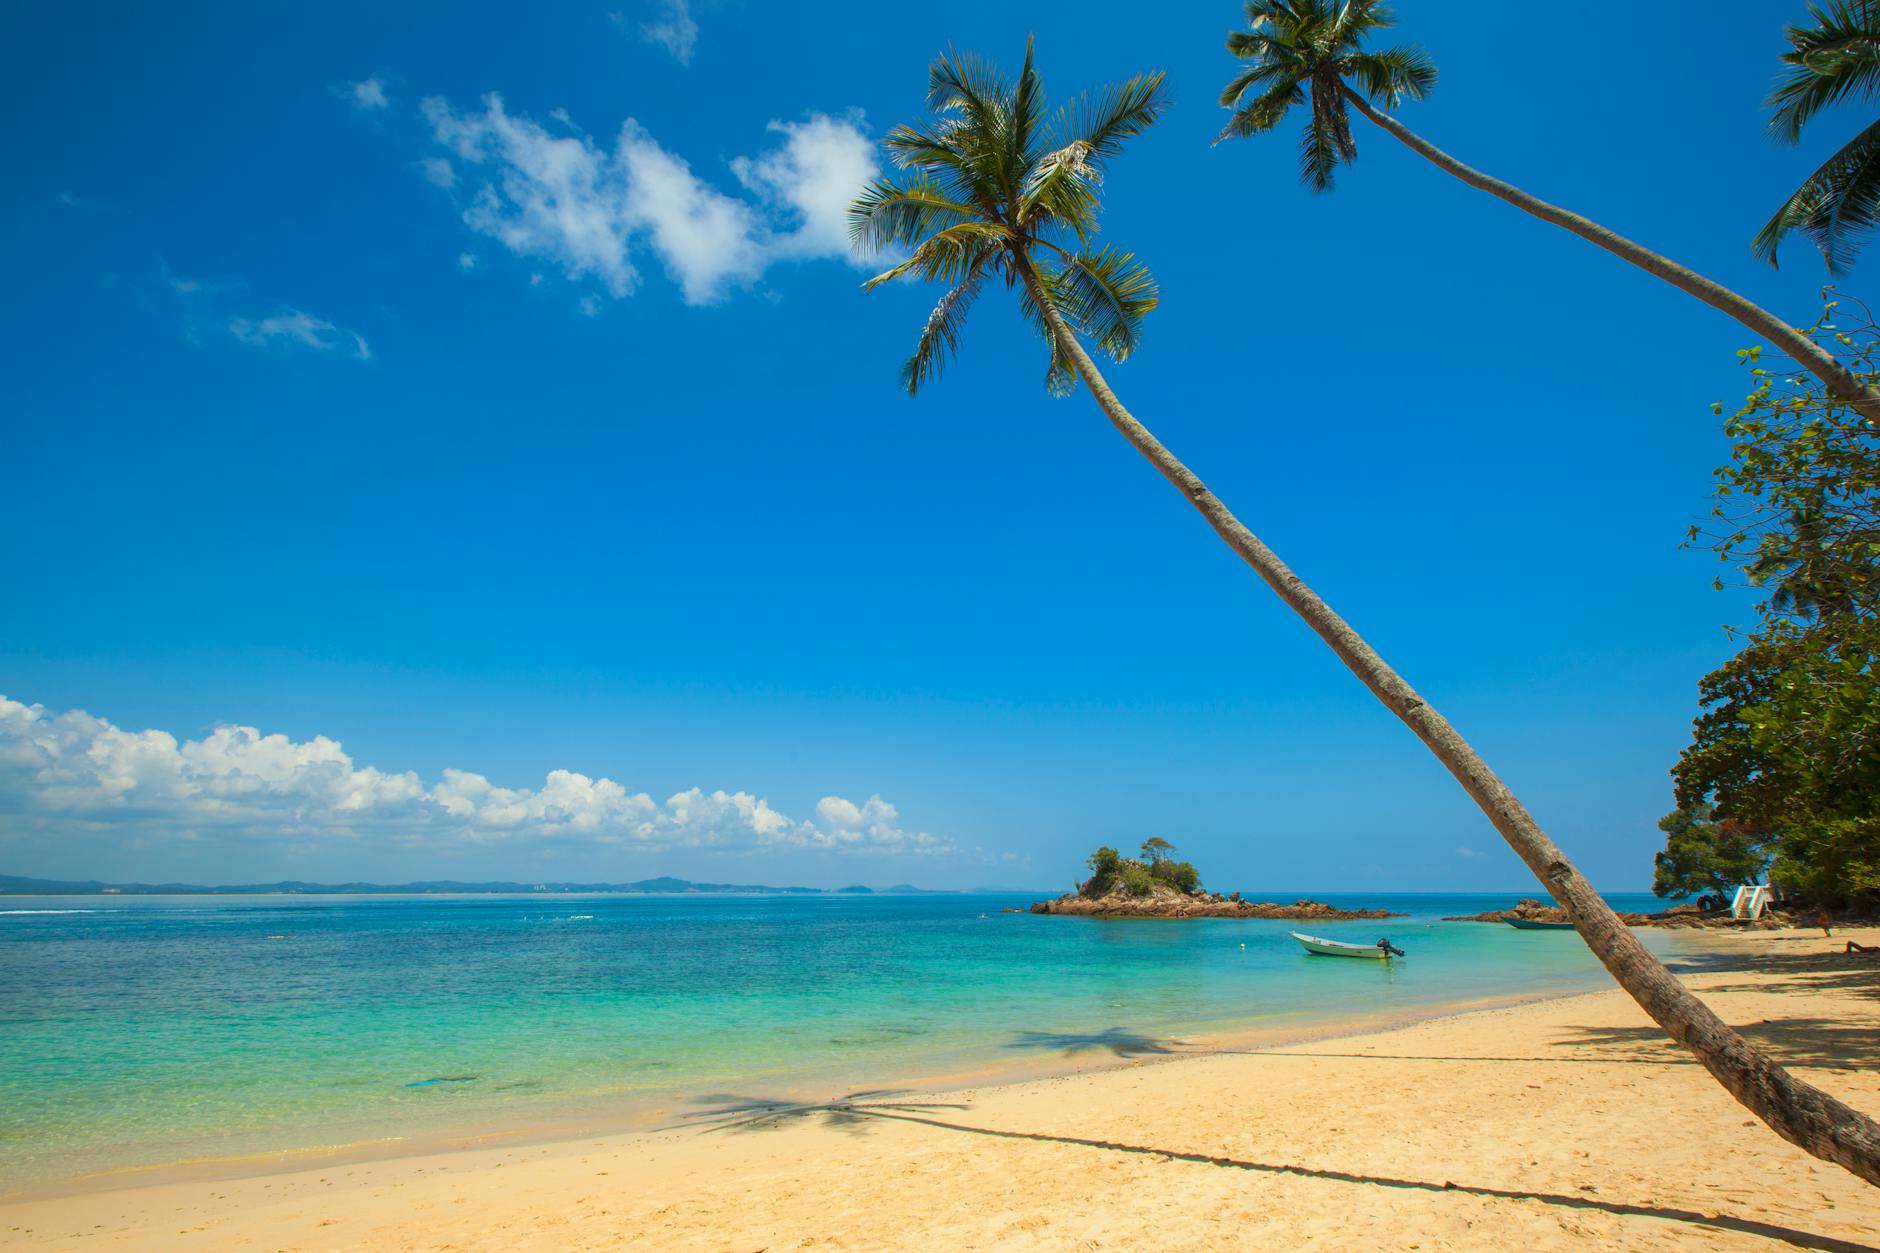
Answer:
(1105, 295)
(1102, 120)
(1839, 55)
(1061, 189)
(1295, 44)
(1836, 207)
(947, 255)
(1267, 110)
(887, 213)
(1389, 75)
(940, 337)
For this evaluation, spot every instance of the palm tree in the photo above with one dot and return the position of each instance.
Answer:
(1839, 203)
(991, 188)
(1313, 50)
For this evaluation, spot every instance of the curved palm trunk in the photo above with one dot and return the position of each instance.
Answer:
(1797, 1112)
(1804, 351)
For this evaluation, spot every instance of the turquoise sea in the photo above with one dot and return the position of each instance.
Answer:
(139, 1031)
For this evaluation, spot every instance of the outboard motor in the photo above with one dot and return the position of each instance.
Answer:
(1389, 950)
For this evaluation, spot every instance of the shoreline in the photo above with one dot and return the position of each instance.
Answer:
(1562, 1123)
(578, 1118)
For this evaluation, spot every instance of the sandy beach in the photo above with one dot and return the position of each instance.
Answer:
(1556, 1124)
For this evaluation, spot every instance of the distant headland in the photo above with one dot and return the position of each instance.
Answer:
(1157, 886)
(14, 885)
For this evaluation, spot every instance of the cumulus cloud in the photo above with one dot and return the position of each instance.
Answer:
(823, 162)
(556, 195)
(72, 773)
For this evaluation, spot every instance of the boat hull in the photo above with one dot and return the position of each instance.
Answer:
(1332, 948)
(1528, 924)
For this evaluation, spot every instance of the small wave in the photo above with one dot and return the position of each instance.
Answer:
(48, 911)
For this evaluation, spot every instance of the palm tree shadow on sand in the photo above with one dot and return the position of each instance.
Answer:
(850, 1113)
(853, 1112)
(1113, 1040)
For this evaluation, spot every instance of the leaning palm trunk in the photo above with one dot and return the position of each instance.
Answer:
(1799, 347)
(1797, 1112)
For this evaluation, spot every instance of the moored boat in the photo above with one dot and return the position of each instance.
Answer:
(1528, 924)
(1381, 951)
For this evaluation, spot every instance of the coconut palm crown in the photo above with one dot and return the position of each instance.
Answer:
(1836, 58)
(1300, 49)
(992, 187)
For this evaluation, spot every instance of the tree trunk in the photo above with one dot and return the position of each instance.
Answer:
(1804, 351)
(1797, 1112)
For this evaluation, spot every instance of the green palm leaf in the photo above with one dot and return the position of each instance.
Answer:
(988, 186)
(1305, 52)
(1835, 59)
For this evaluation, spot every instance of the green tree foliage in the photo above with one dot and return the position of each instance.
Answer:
(1136, 879)
(1177, 874)
(1702, 855)
(1787, 749)
(1155, 849)
(1834, 59)
(1104, 863)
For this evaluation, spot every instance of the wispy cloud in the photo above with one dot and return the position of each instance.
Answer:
(367, 95)
(555, 195)
(213, 310)
(83, 204)
(674, 29)
(297, 328)
(76, 777)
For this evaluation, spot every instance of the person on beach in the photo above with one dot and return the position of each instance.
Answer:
(1823, 921)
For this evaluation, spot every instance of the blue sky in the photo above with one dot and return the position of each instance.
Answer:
(460, 441)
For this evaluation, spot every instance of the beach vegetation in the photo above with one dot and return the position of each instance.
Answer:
(1104, 865)
(1137, 881)
(1703, 856)
(1784, 760)
(992, 187)
(1313, 54)
(1179, 875)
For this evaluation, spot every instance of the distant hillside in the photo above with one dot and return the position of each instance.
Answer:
(18, 886)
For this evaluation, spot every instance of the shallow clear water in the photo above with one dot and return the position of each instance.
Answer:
(143, 1030)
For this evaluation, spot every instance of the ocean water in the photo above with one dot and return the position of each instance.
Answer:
(138, 1031)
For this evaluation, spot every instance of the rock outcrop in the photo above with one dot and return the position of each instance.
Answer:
(1165, 901)
(1686, 916)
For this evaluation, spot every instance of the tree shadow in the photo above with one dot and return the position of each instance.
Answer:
(1680, 1059)
(1820, 1042)
(1114, 1040)
(849, 1113)
(740, 1113)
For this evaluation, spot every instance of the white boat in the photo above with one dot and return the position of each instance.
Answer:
(1334, 948)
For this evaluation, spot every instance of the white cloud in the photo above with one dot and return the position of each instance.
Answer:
(822, 164)
(70, 775)
(438, 172)
(368, 94)
(294, 328)
(558, 196)
(674, 29)
(1463, 851)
